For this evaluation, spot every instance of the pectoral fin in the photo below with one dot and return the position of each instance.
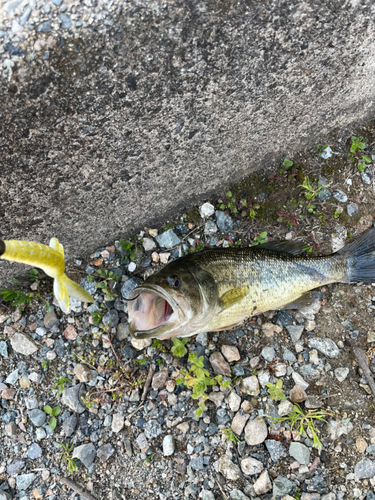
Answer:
(233, 296)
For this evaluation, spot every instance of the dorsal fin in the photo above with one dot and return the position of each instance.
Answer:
(294, 247)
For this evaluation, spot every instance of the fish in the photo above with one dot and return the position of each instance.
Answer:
(218, 289)
(52, 261)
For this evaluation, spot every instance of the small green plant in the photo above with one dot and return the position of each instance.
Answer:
(107, 283)
(198, 378)
(129, 248)
(311, 191)
(158, 344)
(336, 214)
(54, 412)
(362, 166)
(33, 275)
(141, 360)
(287, 163)
(276, 391)
(17, 297)
(230, 436)
(178, 349)
(357, 144)
(71, 465)
(59, 385)
(201, 407)
(97, 317)
(259, 240)
(305, 422)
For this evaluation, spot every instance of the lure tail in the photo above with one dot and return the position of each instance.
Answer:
(51, 260)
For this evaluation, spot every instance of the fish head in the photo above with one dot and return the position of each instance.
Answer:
(177, 301)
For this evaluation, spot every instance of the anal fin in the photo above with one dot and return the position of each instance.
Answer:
(305, 300)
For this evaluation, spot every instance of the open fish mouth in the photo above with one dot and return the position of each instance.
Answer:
(152, 311)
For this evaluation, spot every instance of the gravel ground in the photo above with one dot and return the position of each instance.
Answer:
(130, 430)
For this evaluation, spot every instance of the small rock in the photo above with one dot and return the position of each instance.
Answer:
(364, 469)
(341, 374)
(66, 22)
(337, 429)
(168, 445)
(155, 257)
(250, 466)
(297, 394)
(281, 486)
(280, 370)
(72, 398)
(37, 417)
(352, 209)
(129, 286)
(219, 365)
(122, 331)
(263, 483)
(35, 451)
(224, 222)
(105, 452)
(300, 452)
(324, 194)
(159, 380)
(238, 495)
(117, 422)
(312, 402)
(228, 468)
(325, 154)
(5, 496)
(12, 377)
(152, 429)
(210, 228)
(230, 353)
(3, 349)
(295, 332)
(168, 239)
(284, 408)
(238, 422)
(289, 356)
(340, 196)
(299, 380)
(148, 244)
(201, 339)
(255, 432)
(8, 394)
(41, 331)
(111, 319)
(24, 481)
(23, 344)
(207, 210)
(234, 401)
(217, 398)
(366, 176)
(268, 353)
(44, 27)
(82, 372)
(69, 425)
(50, 320)
(325, 346)
(70, 333)
(140, 344)
(250, 386)
(164, 257)
(15, 467)
(275, 449)
(361, 444)
(86, 453)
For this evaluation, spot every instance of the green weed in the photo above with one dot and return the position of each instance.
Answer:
(178, 349)
(16, 297)
(276, 391)
(54, 412)
(71, 465)
(259, 240)
(230, 436)
(33, 275)
(107, 283)
(129, 248)
(59, 385)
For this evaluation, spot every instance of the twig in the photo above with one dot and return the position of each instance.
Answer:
(221, 489)
(151, 372)
(192, 231)
(75, 487)
(361, 358)
(134, 412)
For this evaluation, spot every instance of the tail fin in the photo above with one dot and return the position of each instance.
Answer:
(76, 291)
(360, 255)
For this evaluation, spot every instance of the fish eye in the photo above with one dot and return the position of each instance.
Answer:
(174, 281)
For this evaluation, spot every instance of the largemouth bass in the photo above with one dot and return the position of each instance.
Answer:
(218, 289)
(51, 260)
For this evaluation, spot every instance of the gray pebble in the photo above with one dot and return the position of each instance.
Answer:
(129, 286)
(152, 429)
(275, 449)
(12, 377)
(281, 486)
(340, 196)
(224, 222)
(300, 452)
(324, 194)
(44, 27)
(35, 451)
(366, 176)
(168, 239)
(69, 425)
(341, 374)
(197, 463)
(89, 286)
(352, 209)
(295, 332)
(72, 398)
(25, 480)
(238, 495)
(289, 356)
(66, 22)
(3, 349)
(86, 453)
(111, 318)
(37, 417)
(325, 346)
(57, 2)
(25, 16)
(201, 339)
(105, 451)
(364, 469)
(5, 496)
(268, 353)
(15, 467)
(210, 228)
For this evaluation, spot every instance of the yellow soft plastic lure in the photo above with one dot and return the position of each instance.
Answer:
(51, 260)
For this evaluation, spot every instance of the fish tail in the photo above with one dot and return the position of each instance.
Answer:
(76, 291)
(60, 291)
(45, 257)
(360, 257)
